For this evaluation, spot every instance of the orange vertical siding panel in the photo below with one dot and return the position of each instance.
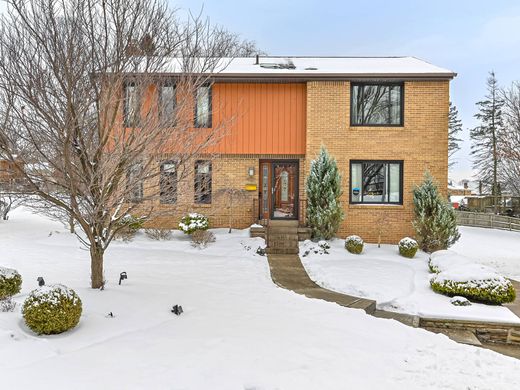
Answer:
(266, 118)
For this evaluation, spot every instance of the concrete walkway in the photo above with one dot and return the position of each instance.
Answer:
(287, 272)
(515, 305)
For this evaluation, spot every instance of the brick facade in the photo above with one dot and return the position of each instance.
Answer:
(422, 143)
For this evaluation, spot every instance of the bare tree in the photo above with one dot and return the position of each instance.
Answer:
(80, 103)
(232, 197)
(510, 139)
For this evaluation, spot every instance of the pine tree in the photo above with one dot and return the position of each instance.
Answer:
(435, 222)
(454, 127)
(485, 146)
(323, 188)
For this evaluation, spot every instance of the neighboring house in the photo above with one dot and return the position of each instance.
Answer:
(385, 120)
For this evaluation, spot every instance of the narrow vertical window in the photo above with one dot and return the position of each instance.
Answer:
(203, 106)
(167, 103)
(203, 182)
(132, 105)
(168, 182)
(135, 183)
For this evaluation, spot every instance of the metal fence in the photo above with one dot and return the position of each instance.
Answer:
(486, 220)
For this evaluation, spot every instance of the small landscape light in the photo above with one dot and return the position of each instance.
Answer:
(122, 276)
(41, 282)
(177, 310)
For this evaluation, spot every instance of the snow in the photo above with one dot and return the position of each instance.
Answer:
(238, 330)
(339, 66)
(444, 259)
(408, 243)
(7, 273)
(52, 294)
(499, 249)
(395, 282)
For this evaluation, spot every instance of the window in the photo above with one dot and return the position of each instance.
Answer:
(376, 182)
(135, 183)
(203, 106)
(203, 182)
(167, 103)
(132, 105)
(168, 182)
(376, 105)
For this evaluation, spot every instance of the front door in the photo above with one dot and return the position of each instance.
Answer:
(278, 189)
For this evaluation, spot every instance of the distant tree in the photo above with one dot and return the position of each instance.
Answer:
(435, 223)
(485, 137)
(510, 139)
(454, 128)
(323, 188)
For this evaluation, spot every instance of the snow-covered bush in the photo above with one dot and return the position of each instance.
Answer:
(444, 259)
(408, 247)
(10, 282)
(435, 223)
(52, 309)
(460, 301)
(128, 227)
(158, 234)
(476, 282)
(323, 189)
(193, 222)
(354, 244)
(201, 238)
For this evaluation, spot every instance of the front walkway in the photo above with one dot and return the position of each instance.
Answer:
(287, 272)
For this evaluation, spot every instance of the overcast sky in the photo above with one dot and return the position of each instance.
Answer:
(468, 37)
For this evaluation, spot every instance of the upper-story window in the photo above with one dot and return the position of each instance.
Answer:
(167, 102)
(203, 106)
(376, 182)
(376, 104)
(132, 104)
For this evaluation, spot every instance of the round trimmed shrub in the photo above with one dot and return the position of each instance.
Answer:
(193, 222)
(476, 282)
(10, 282)
(52, 309)
(354, 244)
(408, 247)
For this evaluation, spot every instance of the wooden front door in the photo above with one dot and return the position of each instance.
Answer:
(278, 189)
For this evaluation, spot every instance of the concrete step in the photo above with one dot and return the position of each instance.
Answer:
(283, 229)
(458, 335)
(283, 237)
(279, 223)
(282, 251)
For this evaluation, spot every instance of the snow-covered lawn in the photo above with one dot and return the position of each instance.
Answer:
(402, 285)
(238, 331)
(499, 249)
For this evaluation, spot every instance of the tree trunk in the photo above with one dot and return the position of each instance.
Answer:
(96, 266)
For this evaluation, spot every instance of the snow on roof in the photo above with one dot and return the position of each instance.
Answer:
(308, 67)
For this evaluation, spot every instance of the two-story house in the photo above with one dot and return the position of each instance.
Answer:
(385, 120)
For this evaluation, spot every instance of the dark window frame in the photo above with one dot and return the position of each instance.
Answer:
(401, 181)
(136, 120)
(172, 198)
(382, 83)
(210, 108)
(203, 198)
(138, 184)
(167, 83)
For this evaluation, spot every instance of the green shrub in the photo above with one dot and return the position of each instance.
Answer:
(354, 244)
(10, 282)
(52, 309)
(192, 222)
(408, 247)
(484, 285)
(435, 223)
